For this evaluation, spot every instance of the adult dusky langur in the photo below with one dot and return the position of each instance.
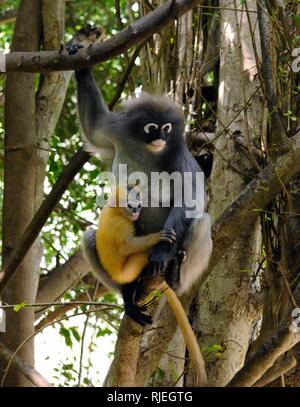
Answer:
(148, 136)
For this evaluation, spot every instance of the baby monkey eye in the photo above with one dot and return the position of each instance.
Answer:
(149, 127)
(167, 127)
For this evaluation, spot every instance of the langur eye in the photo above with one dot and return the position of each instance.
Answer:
(167, 128)
(139, 205)
(129, 206)
(149, 127)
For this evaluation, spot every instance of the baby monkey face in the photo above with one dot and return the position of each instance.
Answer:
(134, 202)
(133, 209)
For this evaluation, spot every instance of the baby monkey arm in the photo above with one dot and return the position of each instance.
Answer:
(137, 244)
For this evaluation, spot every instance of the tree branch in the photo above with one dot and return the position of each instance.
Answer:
(62, 278)
(132, 35)
(278, 132)
(280, 367)
(264, 358)
(62, 310)
(253, 199)
(126, 75)
(8, 16)
(27, 370)
(32, 231)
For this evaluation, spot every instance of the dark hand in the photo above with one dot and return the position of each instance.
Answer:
(168, 235)
(159, 259)
(73, 49)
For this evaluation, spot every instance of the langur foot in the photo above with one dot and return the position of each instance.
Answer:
(136, 315)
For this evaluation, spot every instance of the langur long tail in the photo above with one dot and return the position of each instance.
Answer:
(187, 333)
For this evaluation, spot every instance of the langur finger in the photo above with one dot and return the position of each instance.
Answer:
(168, 239)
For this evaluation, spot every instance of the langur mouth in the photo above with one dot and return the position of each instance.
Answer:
(134, 216)
(156, 145)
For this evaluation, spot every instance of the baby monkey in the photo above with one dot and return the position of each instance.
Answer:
(124, 255)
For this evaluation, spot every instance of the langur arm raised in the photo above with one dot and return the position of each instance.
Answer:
(93, 111)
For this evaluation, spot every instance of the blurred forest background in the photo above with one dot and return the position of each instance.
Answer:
(233, 66)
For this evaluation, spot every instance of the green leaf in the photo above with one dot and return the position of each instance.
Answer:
(103, 332)
(75, 333)
(159, 374)
(67, 336)
(18, 307)
(297, 20)
(212, 349)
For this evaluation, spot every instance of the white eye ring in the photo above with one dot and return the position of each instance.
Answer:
(148, 126)
(167, 127)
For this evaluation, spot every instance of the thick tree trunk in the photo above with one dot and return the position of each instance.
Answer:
(21, 196)
(226, 313)
(26, 159)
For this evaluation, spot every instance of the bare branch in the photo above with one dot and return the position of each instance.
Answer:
(264, 358)
(27, 370)
(281, 366)
(132, 35)
(62, 278)
(62, 310)
(126, 75)
(278, 132)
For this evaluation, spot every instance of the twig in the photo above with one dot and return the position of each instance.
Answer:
(126, 75)
(27, 370)
(82, 348)
(65, 307)
(73, 304)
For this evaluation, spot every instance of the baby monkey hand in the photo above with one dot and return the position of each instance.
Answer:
(168, 235)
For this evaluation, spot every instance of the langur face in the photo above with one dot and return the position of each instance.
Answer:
(133, 210)
(159, 129)
(157, 136)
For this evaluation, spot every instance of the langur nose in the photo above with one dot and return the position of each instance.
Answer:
(163, 134)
